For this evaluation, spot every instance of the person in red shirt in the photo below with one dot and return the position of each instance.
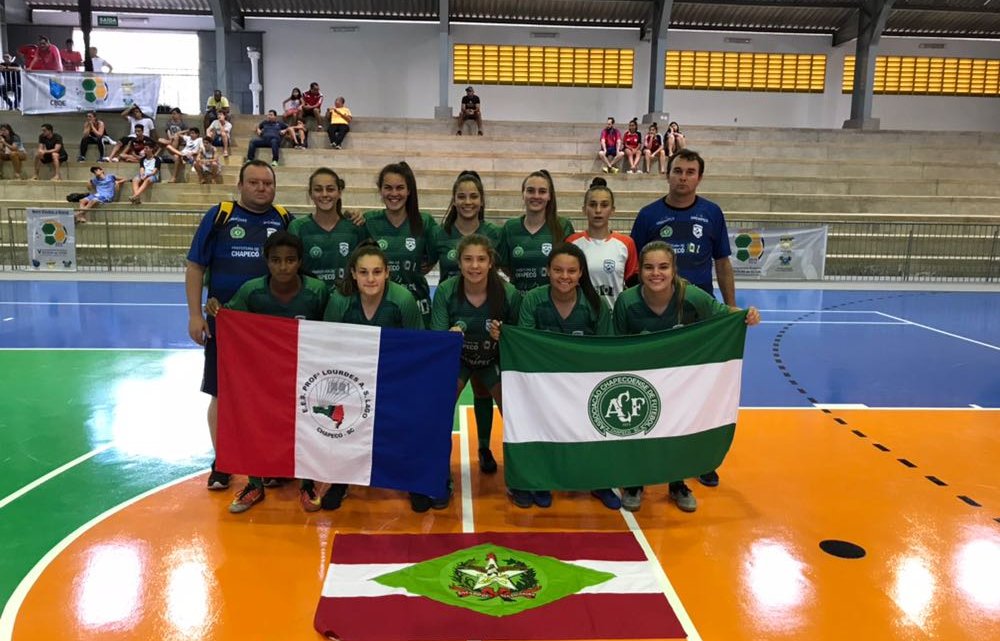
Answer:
(312, 105)
(71, 60)
(47, 57)
(632, 143)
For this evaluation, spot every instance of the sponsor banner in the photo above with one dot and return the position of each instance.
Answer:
(70, 92)
(51, 240)
(779, 254)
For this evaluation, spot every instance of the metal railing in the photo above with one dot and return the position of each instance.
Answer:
(157, 240)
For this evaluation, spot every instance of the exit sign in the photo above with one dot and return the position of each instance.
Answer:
(107, 21)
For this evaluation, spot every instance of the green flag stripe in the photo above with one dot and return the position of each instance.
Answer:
(711, 341)
(624, 463)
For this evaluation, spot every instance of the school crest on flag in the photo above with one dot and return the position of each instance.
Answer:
(451, 587)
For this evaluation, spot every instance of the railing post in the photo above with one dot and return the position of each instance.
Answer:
(909, 255)
(107, 238)
(994, 265)
(10, 241)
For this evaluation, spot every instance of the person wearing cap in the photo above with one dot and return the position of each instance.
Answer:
(470, 110)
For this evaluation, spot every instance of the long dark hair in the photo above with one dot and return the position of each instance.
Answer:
(10, 129)
(467, 175)
(680, 285)
(569, 249)
(412, 205)
(326, 171)
(551, 210)
(496, 295)
(349, 286)
(292, 95)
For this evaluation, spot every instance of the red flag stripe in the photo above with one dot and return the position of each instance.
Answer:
(413, 548)
(582, 616)
(258, 357)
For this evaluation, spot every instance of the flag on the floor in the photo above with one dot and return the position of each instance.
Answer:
(335, 402)
(443, 587)
(586, 412)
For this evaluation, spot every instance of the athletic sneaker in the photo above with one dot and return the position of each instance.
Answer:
(681, 495)
(606, 169)
(308, 499)
(274, 481)
(420, 502)
(248, 497)
(218, 480)
(81, 158)
(542, 498)
(709, 479)
(487, 464)
(103, 159)
(333, 497)
(521, 498)
(615, 170)
(632, 498)
(608, 498)
(274, 163)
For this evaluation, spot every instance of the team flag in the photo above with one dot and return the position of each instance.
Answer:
(445, 587)
(335, 402)
(585, 412)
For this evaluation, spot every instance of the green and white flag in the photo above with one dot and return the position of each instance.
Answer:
(584, 412)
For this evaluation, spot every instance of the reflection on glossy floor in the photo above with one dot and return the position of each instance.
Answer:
(916, 488)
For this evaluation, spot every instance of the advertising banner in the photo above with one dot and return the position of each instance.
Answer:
(71, 92)
(779, 254)
(51, 240)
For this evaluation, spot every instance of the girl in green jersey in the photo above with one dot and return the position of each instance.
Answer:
(476, 303)
(663, 300)
(368, 297)
(329, 234)
(527, 241)
(287, 292)
(569, 304)
(467, 215)
(403, 232)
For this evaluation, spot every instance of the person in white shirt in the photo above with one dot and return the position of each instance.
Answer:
(100, 65)
(186, 155)
(220, 131)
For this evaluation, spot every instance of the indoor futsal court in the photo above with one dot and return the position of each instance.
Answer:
(860, 499)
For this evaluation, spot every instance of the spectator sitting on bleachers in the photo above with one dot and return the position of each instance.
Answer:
(51, 151)
(174, 128)
(292, 106)
(269, 134)
(217, 104)
(312, 105)
(133, 114)
(46, 58)
(653, 150)
(298, 134)
(471, 110)
(71, 60)
(93, 134)
(10, 81)
(149, 173)
(220, 130)
(339, 117)
(12, 149)
(611, 147)
(632, 144)
(137, 147)
(105, 188)
(207, 162)
(185, 153)
(674, 139)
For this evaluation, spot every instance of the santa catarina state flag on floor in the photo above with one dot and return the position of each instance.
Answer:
(588, 412)
(335, 402)
(445, 587)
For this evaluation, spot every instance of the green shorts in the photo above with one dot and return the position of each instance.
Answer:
(489, 375)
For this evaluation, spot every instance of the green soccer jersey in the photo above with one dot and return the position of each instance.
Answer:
(445, 244)
(538, 311)
(526, 255)
(326, 252)
(478, 349)
(407, 254)
(398, 309)
(633, 316)
(255, 296)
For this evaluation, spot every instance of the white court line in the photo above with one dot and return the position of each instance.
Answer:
(468, 523)
(661, 578)
(818, 311)
(974, 406)
(7, 500)
(840, 406)
(69, 304)
(941, 331)
(798, 322)
(16, 600)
